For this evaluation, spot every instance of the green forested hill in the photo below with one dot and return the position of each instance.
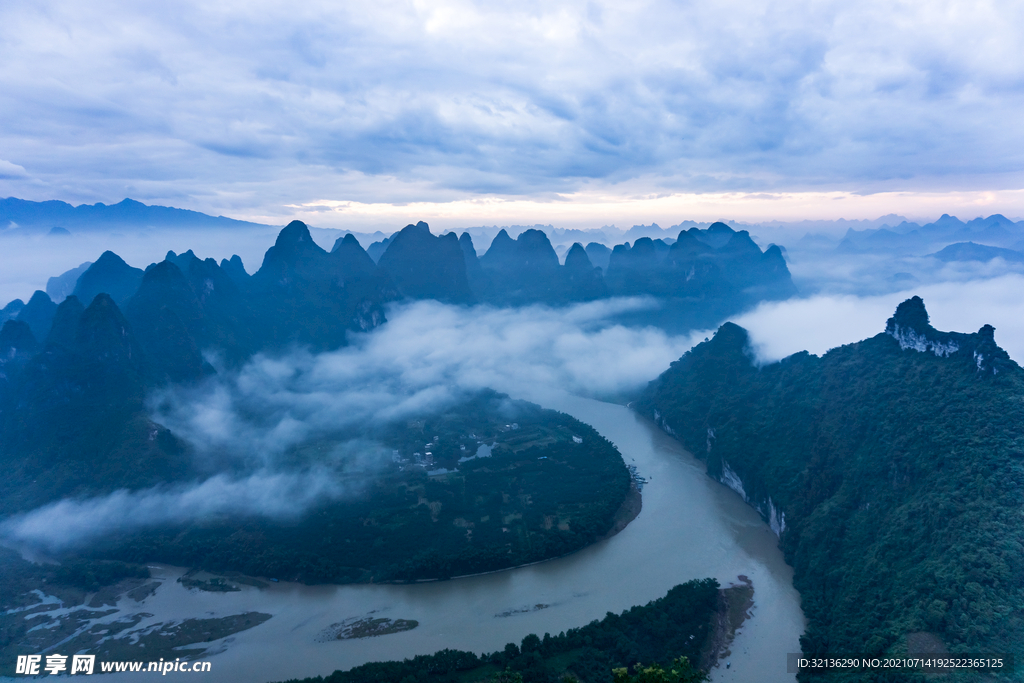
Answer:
(893, 468)
(488, 484)
(684, 623)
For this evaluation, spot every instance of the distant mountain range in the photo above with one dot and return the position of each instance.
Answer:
(892, 234)
(911, 238)
(969, 251)
(892, 470)
(701, 277)
(61, 217)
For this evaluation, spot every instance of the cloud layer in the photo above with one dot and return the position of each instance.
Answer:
(247, 108)
(245, 427)
(425, 359)
(75, 523)
(819, 323)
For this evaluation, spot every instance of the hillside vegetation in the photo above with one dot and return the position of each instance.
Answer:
(74, 377)
(488, 484)
(893, 469)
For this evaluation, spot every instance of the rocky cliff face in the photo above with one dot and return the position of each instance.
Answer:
(910, 327)
(881, 465)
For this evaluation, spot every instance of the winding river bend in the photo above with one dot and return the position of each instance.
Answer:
(690, 527)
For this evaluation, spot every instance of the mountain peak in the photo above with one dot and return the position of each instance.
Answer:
(351, 258)
(64, 330)
(502, 247)
(11, 310)
(732, 335)
(294, 255)
(425, 266)
(420, 228)
(348, 240)
(293, 233)
(38, 314)
(110, 275)
(910, 327)
(501, 239)
(577, 258)
(104, 334)
(235, 269)
(910, 315)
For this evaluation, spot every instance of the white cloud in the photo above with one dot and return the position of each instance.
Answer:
(426, 358)
(819, 323)
(69, 523)
(245, 108)
(27, 261)
(11, 171)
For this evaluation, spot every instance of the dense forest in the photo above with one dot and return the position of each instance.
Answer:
(75, 372)
(893, 470)
(487, 484)
(681, 624)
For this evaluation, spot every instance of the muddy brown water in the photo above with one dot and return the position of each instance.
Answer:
(690, 527)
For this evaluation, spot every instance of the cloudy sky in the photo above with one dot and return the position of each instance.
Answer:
(357, 113)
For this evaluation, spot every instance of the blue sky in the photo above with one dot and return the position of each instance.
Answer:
(355, 113)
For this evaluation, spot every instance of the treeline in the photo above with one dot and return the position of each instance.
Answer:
(679, 624)
(893, 468)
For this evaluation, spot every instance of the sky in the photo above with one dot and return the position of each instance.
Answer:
(374, 114)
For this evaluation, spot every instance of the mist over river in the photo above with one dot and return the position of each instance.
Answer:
(690, 527)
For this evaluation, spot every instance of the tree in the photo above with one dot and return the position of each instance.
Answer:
(681, 672)
(507, 676)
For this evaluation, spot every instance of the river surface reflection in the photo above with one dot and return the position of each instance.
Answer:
(690, 527)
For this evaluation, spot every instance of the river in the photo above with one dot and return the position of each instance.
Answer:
(690, 527)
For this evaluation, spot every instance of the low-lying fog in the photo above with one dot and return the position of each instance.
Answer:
(29, 260)
(424, 359)
(821, 322)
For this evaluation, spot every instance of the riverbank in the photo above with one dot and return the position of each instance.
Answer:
(734, 605)
(630, 509)
(678, 624)
(695, 527)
